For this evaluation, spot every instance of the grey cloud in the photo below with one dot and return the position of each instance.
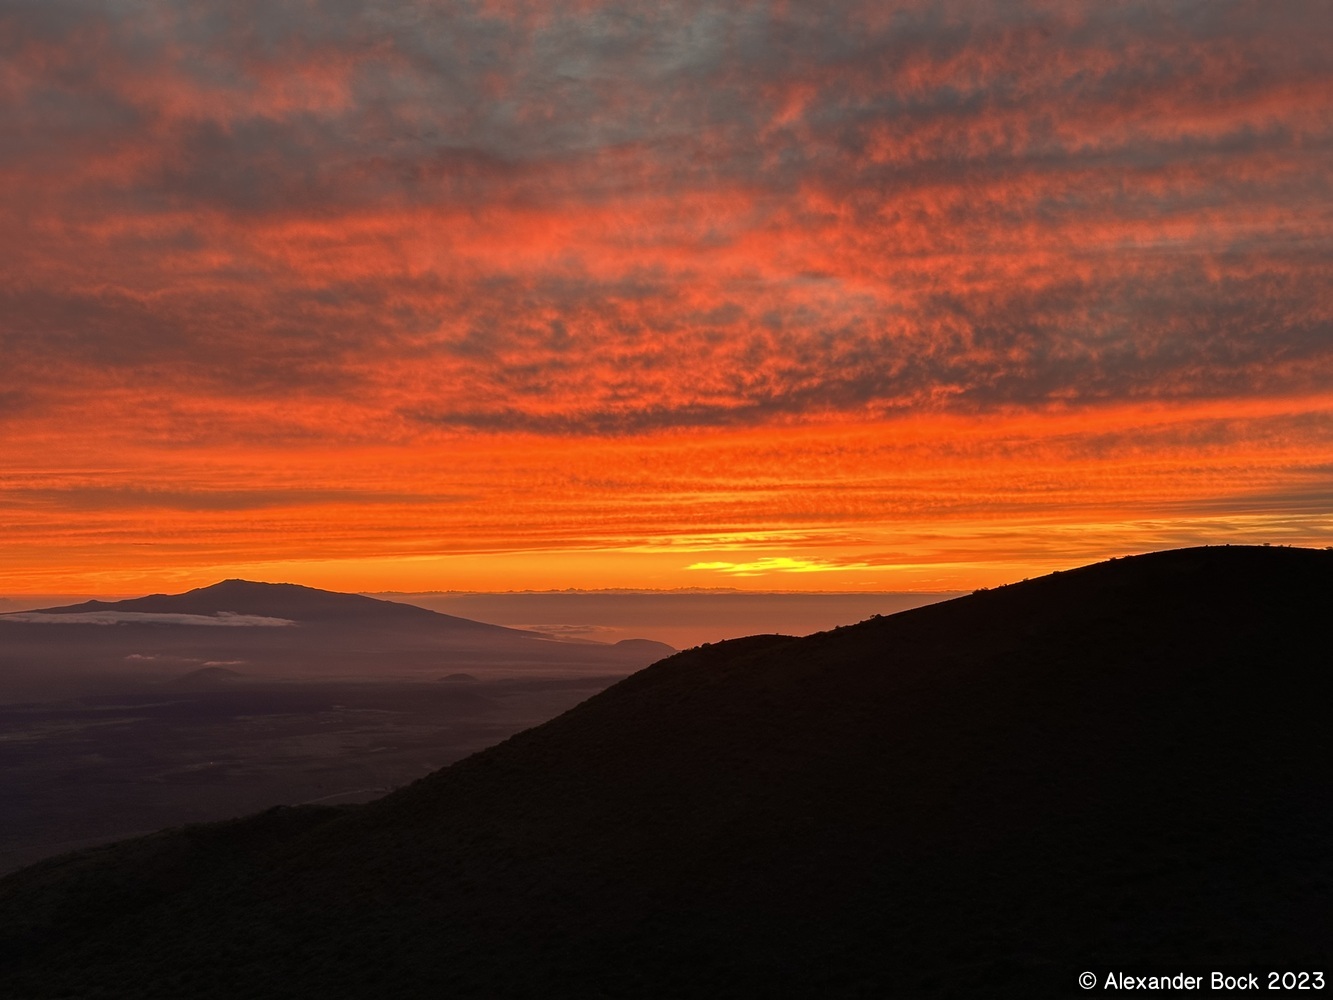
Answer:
(677, 81)
(1151, 332)
(972, 111)
(16, 402)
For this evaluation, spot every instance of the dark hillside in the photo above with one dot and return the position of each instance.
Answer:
(1125, 766)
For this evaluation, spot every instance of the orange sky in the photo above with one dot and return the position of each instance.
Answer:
(500, 296)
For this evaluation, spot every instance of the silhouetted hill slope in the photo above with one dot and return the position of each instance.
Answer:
(1125, 766)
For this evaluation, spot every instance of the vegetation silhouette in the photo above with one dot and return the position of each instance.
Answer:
(1125, 765)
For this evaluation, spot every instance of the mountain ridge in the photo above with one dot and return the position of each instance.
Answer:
(278, 631)
(1125, 763)
(280, 600)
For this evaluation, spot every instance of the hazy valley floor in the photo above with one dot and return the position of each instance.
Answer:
(85, 771)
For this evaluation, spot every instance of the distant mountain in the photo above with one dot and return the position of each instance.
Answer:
(276, 630)
(1123, 767)
(281, 600)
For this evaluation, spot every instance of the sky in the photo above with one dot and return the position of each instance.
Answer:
(794, 296)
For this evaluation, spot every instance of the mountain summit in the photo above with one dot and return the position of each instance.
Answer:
(280, 600)
(1120, 767)
(280, 631)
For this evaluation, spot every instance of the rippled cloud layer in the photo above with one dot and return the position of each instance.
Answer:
(259, 229)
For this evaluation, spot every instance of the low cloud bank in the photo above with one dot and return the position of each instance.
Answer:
(224, 618)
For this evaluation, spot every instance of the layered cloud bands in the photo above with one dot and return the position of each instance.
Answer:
(316, 226)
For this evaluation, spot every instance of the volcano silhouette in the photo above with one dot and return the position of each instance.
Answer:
(286, 630)
(1124, 766)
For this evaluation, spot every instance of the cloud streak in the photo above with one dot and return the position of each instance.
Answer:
(777, 564)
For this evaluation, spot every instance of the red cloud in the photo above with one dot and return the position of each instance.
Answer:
(278, 226)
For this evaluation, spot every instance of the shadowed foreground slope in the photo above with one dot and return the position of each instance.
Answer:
(1121, 766)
